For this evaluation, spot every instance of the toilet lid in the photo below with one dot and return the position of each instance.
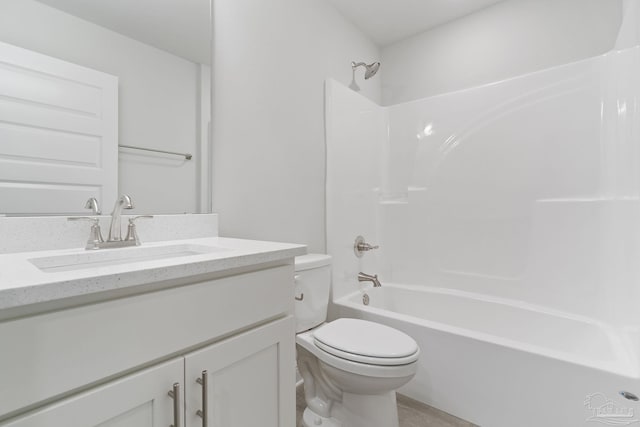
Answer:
(366, 342)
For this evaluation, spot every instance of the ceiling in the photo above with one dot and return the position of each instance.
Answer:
(181, 27)
(389, 21)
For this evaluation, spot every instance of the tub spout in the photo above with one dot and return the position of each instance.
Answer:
(363, 277)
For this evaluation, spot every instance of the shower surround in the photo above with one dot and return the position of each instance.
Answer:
(507, 217)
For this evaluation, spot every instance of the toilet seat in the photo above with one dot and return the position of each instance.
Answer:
(366, 342)
(306, 341)
(381, 361)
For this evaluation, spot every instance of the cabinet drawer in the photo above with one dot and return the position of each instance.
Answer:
(50, 354)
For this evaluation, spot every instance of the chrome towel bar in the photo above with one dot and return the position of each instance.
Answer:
(187, 156)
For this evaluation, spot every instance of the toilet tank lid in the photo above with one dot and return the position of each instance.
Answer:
(309, 261)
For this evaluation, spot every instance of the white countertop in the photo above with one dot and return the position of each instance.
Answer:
(22, 283)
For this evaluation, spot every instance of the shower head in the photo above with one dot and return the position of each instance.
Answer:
(370, 69)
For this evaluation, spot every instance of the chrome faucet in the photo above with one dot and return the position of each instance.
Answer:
(115, 239)
(115, 229)
(363, 277)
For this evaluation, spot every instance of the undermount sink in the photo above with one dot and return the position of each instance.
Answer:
(107, 257)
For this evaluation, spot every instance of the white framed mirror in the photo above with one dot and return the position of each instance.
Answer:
(158, 52)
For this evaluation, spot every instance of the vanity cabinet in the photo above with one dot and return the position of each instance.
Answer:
(243, 381)
(228, 340)
(137, 400)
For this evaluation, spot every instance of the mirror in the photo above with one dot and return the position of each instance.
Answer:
(159, 50)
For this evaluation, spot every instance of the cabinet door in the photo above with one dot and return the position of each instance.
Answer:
(137, 400)
(246, 380)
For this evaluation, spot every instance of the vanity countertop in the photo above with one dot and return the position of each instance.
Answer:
(23, 283)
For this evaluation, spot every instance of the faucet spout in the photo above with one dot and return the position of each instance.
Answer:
(363, 277)
(115, 229)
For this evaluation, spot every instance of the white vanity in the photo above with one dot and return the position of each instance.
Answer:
(183, 331)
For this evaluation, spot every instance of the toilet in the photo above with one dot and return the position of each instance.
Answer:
(351, 368)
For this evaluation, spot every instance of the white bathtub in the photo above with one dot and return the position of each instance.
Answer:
(502, 363)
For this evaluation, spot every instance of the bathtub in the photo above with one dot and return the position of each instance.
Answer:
(504, 363)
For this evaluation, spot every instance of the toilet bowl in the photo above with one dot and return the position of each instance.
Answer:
(350, 367)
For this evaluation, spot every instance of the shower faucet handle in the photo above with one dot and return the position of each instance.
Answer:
(360, 246)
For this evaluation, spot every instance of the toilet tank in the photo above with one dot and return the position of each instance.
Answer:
(312, 284)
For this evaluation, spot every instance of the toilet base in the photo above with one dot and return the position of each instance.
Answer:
(357, 410)
(311, 419)
(378, 410)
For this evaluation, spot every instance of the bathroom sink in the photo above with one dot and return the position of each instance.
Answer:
(108, 257)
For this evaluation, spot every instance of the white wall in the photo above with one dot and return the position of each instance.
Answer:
(270, 63)
(506, 40)
(158, 105)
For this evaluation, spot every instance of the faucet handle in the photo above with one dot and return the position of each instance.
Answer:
(93, 204)
(95, 236)
(132, 234)
(360, 246)
(125, 201)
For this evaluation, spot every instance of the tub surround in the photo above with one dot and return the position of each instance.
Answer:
(506, 216)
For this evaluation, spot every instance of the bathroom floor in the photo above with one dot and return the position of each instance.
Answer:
(410, 412)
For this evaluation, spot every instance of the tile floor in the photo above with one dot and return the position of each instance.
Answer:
(410, 412)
